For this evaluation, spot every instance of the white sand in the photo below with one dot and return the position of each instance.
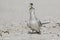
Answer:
(13, 13)
(21, 33)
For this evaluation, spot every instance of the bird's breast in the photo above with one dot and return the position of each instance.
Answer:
(33, 22)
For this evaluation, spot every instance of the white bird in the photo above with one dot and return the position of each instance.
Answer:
(34, 24)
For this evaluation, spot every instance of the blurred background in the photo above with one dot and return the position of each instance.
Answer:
(15, 11)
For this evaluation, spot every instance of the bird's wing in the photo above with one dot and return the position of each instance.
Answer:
(39, 23)
(45, 23)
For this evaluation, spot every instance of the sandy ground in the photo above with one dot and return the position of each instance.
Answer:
(14, 11)
(49, 31)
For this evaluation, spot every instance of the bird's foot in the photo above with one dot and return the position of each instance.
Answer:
(38, 32)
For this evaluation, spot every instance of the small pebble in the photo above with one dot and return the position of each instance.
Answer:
(58, 35)
(44, 26)
(0, 34)
(54, 26)
(50, 32)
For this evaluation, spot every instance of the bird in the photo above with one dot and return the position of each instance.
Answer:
(34, 23)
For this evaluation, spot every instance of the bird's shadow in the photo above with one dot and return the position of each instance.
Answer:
(33, 33)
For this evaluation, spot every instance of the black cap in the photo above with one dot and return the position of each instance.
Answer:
(31, 3)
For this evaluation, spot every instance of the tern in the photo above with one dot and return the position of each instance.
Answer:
(34, 23)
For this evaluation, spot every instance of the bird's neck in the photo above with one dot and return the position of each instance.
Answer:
(32, 14)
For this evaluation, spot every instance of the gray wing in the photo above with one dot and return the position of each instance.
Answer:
(45, 23)
(39, 23)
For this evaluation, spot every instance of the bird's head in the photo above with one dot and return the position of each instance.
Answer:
(31, 5)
